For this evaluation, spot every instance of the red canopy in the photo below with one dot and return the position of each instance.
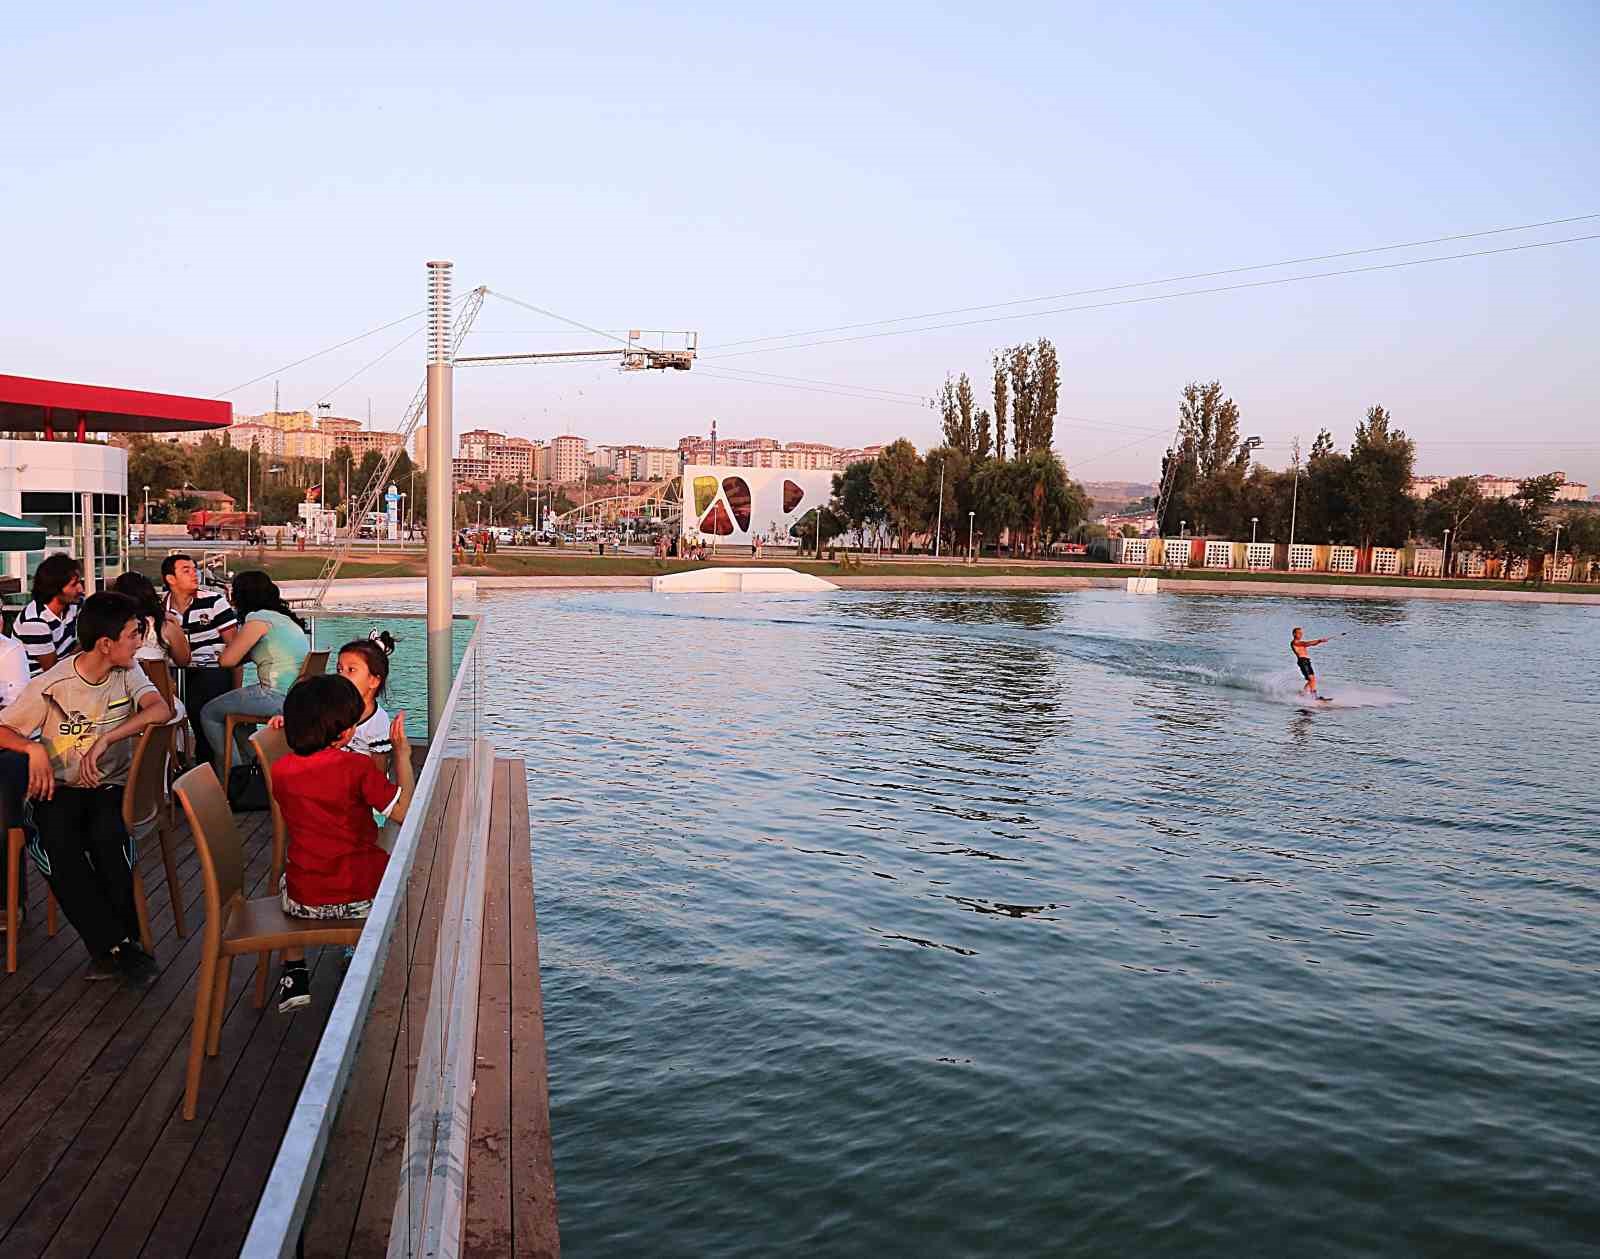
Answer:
(52, 406)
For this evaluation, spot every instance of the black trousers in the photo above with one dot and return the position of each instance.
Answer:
(13, 812)
(83, 849)
(201, 685)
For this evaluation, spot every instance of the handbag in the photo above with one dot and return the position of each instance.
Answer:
(247, 789)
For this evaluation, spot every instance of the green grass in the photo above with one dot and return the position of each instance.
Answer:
(295, 566)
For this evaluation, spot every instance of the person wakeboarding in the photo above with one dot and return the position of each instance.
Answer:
(1302, 654)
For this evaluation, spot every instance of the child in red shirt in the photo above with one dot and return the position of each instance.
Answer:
(327, 796)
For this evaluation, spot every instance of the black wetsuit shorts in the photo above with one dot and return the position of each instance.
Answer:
(1305, 666)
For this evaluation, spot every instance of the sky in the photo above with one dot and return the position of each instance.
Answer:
(196, 196)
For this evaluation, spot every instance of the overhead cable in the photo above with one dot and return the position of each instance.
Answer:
(1171, 279)
(1162, 297)
(370, 332)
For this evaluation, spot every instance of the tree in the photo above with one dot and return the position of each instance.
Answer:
(1516, 526)
(1000, 405)
(1208, 445)
(1024, 397)
(1382, 510)
(1580, 531)
(1457, 506)
(985, 440)
(805, 529)
(954, 468)
(855, 498)
(956, 413)
(1052, 503)
(900, 478)
(159, 465)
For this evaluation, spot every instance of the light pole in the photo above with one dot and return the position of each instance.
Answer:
(144, 537)
(1445, 570)
(938, 521)
(819, 533)
(971, 516)
(1555, 557)
(1253, 530)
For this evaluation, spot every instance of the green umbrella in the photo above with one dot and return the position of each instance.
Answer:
(20, 535)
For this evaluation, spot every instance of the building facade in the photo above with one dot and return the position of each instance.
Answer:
(78, 491)
(1493, 486)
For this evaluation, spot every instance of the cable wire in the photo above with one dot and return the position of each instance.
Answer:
(309, 357)
(1163, 297)
(550, 314)
(410, 336)
(1172, 279)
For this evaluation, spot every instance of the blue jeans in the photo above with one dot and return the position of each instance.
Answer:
(248, 701)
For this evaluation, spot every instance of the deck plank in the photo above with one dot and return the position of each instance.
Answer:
(101, 1162)
(535, 1206)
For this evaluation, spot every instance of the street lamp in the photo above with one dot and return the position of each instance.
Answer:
(819, 533)
(971, 515)
(1181, 524)
(144, 538)
(938, 521)
(1253, 530)
(1445, 571)
(1555, 557)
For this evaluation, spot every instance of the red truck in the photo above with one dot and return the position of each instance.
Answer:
(207, 526)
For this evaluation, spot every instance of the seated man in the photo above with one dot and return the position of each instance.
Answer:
(87, 710)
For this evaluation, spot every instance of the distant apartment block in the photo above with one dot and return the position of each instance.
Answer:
(1492, 486)
(768, 452)
(569, 459)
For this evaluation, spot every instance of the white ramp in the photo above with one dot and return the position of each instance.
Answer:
(738, 581)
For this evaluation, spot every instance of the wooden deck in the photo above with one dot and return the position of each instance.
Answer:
(96, 1159)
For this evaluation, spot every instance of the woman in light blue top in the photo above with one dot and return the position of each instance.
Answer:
(273, 639)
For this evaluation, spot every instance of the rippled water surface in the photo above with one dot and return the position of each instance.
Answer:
(962, 924)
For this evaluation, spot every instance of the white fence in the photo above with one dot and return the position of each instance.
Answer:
(1258, 556)
(1219, 554)
(1560, 568)
(1342, 559)
(1469, 564)
(1302, 557)
(1427, 561)
(1130, 551)
(1385, 561)
(1175, 553)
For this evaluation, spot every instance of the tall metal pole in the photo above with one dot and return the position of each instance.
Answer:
(938, 522)
(440, 494)
(1294, 503)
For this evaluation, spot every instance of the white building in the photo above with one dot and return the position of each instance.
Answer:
(569, 459)
(738, 504)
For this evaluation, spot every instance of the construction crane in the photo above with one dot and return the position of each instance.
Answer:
(633, 355)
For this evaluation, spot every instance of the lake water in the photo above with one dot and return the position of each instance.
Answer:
(960, 924)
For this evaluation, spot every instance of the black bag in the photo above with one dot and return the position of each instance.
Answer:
(247, 789)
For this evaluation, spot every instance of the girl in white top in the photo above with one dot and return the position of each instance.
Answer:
(365, 662)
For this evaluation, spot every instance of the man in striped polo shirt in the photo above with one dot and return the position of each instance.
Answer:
(209, 623)
(48, 626)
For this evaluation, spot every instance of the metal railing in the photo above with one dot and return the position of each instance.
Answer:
(427, 1211)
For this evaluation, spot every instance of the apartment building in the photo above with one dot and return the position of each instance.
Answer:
(1491, 485)
(569, 459)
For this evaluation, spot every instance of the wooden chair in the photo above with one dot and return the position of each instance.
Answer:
(146, 807)
(234, 925)
(315, 662)
(270, 745)
(15, 841)
(160, 674)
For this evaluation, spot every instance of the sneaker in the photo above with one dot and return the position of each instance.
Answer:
(134, 964)
(294, 989)
(103, 967)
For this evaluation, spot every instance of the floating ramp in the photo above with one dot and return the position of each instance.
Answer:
(738, 581)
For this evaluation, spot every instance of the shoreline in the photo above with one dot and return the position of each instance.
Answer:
(367, 589)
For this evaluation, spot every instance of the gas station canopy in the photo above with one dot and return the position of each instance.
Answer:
(58, 406)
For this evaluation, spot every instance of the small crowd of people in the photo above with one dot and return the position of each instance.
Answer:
(74, 699)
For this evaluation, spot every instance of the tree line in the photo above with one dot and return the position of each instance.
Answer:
(1211, 486)
(995, 472)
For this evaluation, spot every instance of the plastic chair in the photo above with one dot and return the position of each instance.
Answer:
(234, 925)
(315, 662)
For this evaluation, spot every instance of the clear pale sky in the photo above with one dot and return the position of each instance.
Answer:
(195, 195)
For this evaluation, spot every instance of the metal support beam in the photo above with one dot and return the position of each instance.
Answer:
(441, 495)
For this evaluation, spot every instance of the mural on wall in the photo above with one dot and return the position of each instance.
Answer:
(742, 504)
